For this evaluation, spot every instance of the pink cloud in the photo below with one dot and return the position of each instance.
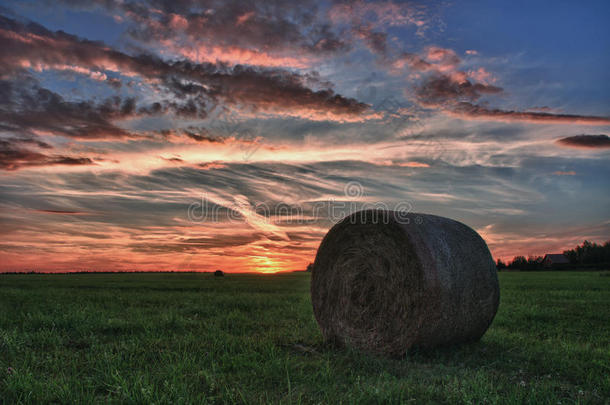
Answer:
(313, 114)
(482, 75)
(238, 55)
(178, 22)
(445, 59)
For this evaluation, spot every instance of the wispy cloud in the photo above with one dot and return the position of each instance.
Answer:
(466, 110)
(258, 115)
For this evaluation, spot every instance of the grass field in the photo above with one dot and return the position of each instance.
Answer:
(194, 338)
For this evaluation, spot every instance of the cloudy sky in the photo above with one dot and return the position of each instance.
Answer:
(196, 135)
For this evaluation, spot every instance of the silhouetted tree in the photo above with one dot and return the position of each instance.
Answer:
(534, 263)
(589, 253)
(519, 262)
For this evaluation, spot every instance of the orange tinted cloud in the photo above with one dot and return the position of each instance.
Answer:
(413, 164)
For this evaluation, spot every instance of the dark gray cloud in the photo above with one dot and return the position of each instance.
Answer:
(202, 135)
(586, 141)
(439, 90)
(14, 154)
(27, 108)
(468, 110)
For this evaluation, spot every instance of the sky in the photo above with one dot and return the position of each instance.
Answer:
(204, 135)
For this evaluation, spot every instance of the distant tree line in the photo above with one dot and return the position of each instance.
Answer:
(589, 255)
(521, 263)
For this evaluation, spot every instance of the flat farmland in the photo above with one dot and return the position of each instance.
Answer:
(244, 338)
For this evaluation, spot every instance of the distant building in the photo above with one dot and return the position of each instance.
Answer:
(555, 260)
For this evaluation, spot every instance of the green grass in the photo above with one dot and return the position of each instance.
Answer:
(193, 338)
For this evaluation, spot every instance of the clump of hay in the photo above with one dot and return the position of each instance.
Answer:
(219, 273)
(384, 282)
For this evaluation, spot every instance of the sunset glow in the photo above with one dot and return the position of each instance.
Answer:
(176, 136)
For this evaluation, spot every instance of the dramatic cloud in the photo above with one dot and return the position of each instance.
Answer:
(265, 33)
(446, 88)
(453, 91)
(26, 109)
(586, 141)
(272, 90)
(275, 91)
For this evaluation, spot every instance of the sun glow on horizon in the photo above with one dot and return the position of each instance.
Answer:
(228, 135)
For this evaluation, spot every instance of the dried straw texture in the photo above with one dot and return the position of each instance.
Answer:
(383, 285)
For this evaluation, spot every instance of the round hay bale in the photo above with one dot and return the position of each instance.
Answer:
(385, 281)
